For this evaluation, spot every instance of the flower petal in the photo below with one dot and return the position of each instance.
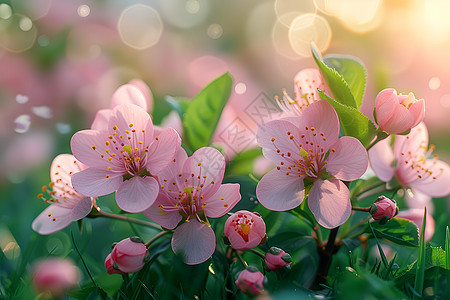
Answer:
(167, 219)
(278, 191)
(415, 142)
(193, 242)
(137, 194)
(322, 116)
(82, 209)
(163, 150)
(349, 161)
(226, 197)
(385, 105)
(88, 146)
(401, 121)
(174, 168)
(44, 223)
(381, 159)
(417, 110)
(435, 184)
(101, 120)
(329, 201)
(141, 85)
(94, 182)
(129, 94)
(62, 168)
(128, 117)
(208, 166)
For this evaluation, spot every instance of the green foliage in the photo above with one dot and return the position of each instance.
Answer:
(201, 115)
(353, 72)
(242, 163)
(336, 82)
(397, 230)
(353, 122)
(420, 270)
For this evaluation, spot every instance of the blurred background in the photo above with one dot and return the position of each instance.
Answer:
(61, 60)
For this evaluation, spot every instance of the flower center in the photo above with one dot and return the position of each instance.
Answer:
(243, 225)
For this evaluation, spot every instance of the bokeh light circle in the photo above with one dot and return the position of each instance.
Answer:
(17, 33)
(309, 28)
(287, 10)
(140, 26)
(185, 14)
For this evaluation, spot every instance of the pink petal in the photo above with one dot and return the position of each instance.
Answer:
(322, 116)
(223, 200)
(307, 81)
(63, 166)
(163, 150)
(174, 168)
(386, 104)
(401, 121)
(137, 194)
(416, 199)
(101, 120)
(349, 161)
(417, 110)
(88, 146)
(209, 162)
(193, 242)
(125, 115)
(329, 201)
(141, 85)
(81, 209)
(273, 136)
(435, 185)
(44, 223)
(278, 191)
(129, 94)
(416, 141)
(93, 182)
(381, 159)
(167, 219)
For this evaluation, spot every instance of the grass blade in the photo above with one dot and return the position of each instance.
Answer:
(420, 271)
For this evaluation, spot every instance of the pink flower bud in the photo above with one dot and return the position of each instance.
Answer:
(398, 113)
(127, 256)
(245, 230)
(383, 209)
(276, 258)
(250, 281)
(55, 275)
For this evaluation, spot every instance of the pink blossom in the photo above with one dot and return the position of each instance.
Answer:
(136, 92)
(307, 82)
(127, 256)
(124, 158)
(307, 149)
(250, 281)
(245, 230)
(415, 215)
(383, 209)
(398, 113)
(67, 205)
(55, 275)
(191, 189)
(411, 163)
(277, 258)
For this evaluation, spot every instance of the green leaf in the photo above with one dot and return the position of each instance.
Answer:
(353, 122)
(447, 248)
(353, 71)
(337, 84)
(397, 230)
(179, 104)
(420, 271)
(203, 113)
(242, 163)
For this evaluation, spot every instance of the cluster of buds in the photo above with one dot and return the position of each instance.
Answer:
(383, 209)
(127, 256)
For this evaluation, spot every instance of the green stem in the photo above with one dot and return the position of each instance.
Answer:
(371, 192)
(369, 187)
(257, 253)
(127, 219)
(157, 236)
(241, 259)
(353, 227)
(366, 209)
(381, 135)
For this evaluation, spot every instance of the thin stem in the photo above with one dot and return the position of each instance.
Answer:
(371, 192)
(241, 259)
(157, 236)
(370, 187)
(354, 226)
(326, 255)
(127, 219)
(257, 253)
(366, 209)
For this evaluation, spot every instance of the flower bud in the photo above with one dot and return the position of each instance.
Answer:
(55, 275)
(398, 113)
(245, 230)
(276, 258)
(383, 209)
(127, 256)
(250, 281)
